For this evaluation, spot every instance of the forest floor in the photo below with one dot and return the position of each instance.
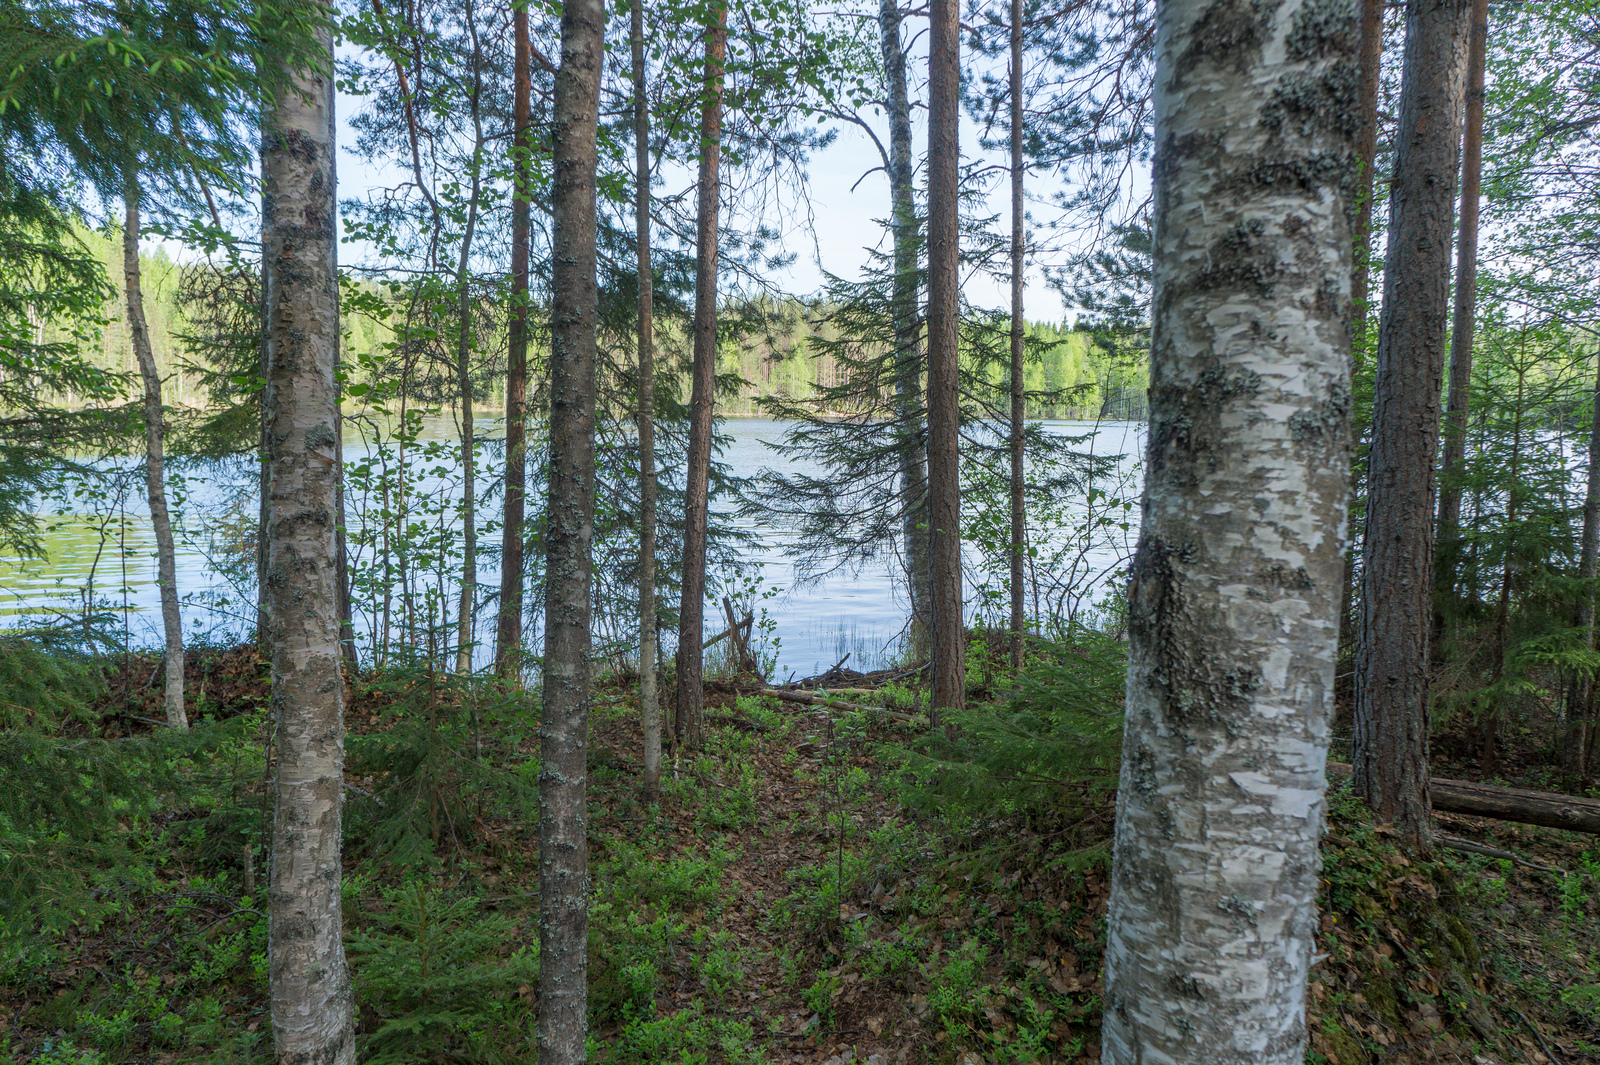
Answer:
(780, 903)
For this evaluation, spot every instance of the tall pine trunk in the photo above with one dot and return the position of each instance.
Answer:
(1581, 742)
(564, 731)
(508, 630)
(1369, 79)
(1489, 726)
(1019, 532)
(1396, 611)
(1233, 630)
(1464, 320)
(948, 669)
(155, 475)
(309, 982)
(702, 395)
(649, 702)
(910, 412)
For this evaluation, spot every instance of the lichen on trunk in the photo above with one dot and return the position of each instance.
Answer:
(1235, 589)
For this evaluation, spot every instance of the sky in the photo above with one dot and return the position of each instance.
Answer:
(846, 207)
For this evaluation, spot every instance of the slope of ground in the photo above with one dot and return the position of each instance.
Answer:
(779, 904)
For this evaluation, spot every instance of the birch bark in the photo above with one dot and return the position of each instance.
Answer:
(1234, 597)
(155, 467)
(310, 984)
(564, 730)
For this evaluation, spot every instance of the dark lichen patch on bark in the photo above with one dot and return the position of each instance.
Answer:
(1177, 150)
(1303, 174)
(1323, 28)
(1279, 575)
(1229, 35)
(1197, 682)
(1325, 425)
(1245, 258)
(1310, 104)
(1185, 421)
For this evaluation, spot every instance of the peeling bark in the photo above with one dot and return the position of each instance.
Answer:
(1396, 613)
(564, 730)
(155, 474)
(1235, 590)
(310, 984)
(947, 674)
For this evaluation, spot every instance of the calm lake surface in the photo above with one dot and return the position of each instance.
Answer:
(100, 546)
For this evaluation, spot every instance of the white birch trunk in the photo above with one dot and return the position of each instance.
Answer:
(1235, 588)
(155, 463)
(310, 983)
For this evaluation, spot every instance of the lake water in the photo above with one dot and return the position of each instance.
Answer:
(100, 547)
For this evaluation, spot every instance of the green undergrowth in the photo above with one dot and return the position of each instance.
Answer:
(809, 885)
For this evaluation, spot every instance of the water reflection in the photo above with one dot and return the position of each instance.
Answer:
(101, 546)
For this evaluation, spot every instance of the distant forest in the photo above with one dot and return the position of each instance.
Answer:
(1072, 373)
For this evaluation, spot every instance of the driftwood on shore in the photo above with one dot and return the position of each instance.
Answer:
(1546, 808)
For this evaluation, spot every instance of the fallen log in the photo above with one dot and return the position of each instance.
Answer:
(1547, 808)
(840, 704)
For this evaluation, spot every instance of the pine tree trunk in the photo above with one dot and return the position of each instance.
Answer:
(264, 449)
(310, 984)
(1370, 77)
(564, 732)
(702, 397)
(948, 670)
(1019, 534)
(649, 703)
(341, 556)
(1466, 305)
(1489, 728)
(910, 412)
(508, 631)
(1391, 713)
(155, 475)
(1233, 629)
(1579, 746)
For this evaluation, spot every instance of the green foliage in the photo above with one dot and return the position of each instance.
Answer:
(48, 677)
(1054, 747)
(47, 276)
(437, 980)
(688, 1037)
(427, 785)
